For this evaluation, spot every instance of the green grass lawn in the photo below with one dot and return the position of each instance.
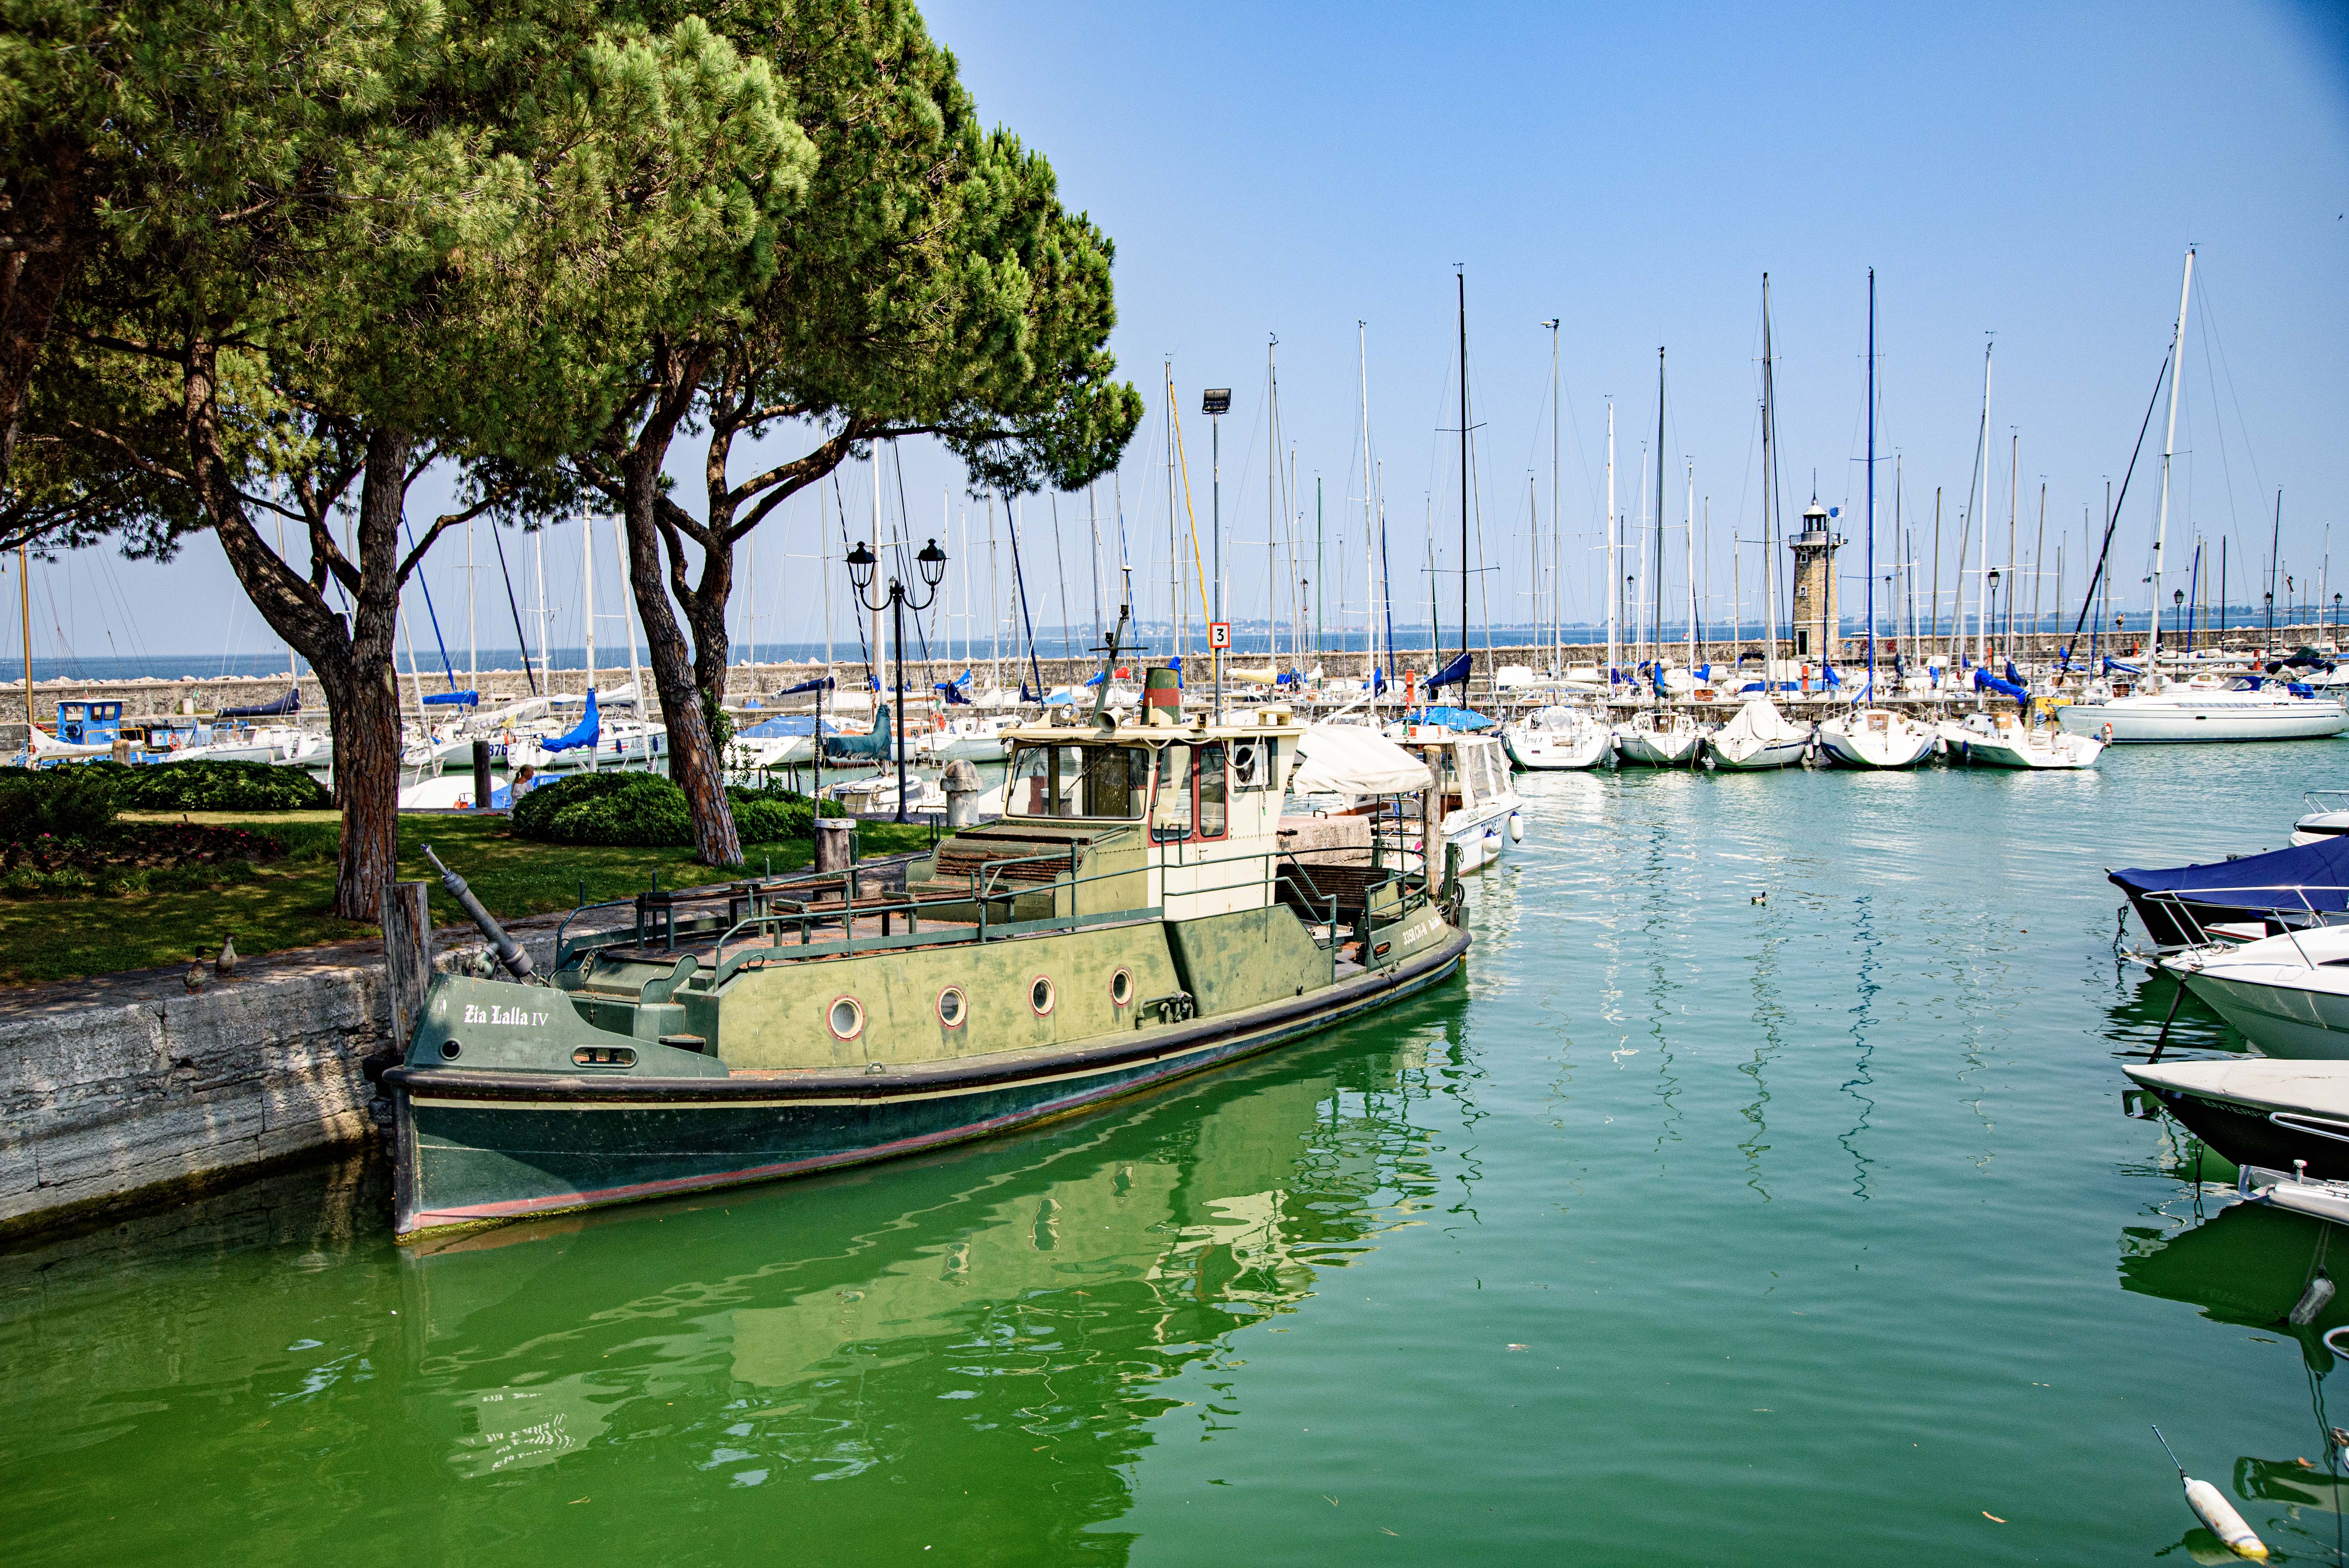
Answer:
(287, 904)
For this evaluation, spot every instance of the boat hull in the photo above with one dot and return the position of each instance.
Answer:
(1887, 751)
(1769, 754)
(2249, 1129)
(475, 1148)
(2190, 720)
(2283, 1020)
(1649, 748)
(1549, 751)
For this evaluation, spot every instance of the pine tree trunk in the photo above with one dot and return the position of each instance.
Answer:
(366, 712)
(32, 277)
(694, 765)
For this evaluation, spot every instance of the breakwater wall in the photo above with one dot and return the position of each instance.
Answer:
(150, 697)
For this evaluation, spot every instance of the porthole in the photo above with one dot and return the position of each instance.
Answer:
(1039, 995)
(952, 1007)
(846, 1019)
(451, 1050)
(1120, 988)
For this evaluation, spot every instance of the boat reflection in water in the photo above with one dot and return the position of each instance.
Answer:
(2249, 1265)
(1042, 1291)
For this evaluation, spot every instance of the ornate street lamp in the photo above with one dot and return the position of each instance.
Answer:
(932, 563)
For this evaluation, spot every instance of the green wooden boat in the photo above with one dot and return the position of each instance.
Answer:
(1133, 918)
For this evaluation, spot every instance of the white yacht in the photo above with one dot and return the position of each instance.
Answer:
(1479, 797)
(2287, 995)
(2327, 817)
(1876, 738)
(1659, 738)
(1551, 738)
(1758, 736)
(2003, 740)
(2250, 707)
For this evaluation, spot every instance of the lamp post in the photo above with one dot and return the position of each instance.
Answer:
(2178, 604)
(1215, 402)
(2271, 631)
(1993, 596)
(933, 563)
(2336, 620)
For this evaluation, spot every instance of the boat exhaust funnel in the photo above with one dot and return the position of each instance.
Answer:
(510, 951)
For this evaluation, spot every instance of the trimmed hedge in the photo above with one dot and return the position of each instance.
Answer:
(204, 786)
(645, 809)
(54, 802)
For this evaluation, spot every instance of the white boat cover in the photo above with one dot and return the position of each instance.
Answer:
(1354, 759)
(1759, 719)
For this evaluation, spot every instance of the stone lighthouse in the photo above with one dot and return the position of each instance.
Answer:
(1817, 626)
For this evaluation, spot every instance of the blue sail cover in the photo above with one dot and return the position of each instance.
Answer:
(1454, 674)
(955, 695)
(290, 703)
(822, 683)
(779, 727)
(453, 699)
(1460, 719)
(586, 732)
(1986, 681)
(2284, 884)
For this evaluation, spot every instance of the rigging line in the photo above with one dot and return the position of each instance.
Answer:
(2226, 468)
(840, 504)
(498, 536)
(2217, 348)
(1061, 560)
(1182, 462)
(2114, 521)
(1019, 579)
(421, 582)
(905, 538)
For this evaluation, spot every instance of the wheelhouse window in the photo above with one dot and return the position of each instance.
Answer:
(1215, 815)
(1170, 818)
(1111, 781)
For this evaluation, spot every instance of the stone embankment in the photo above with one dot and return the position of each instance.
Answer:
(126, 1091)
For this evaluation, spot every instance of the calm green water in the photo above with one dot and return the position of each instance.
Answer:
(1683, 1230)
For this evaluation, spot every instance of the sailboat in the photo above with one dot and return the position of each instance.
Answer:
(1555, 737)
(2252, 707)
(1875, 738)
(1656, 736)
(1758, 735)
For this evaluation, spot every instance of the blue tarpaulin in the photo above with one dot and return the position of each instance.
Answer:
(290, 703)
(779, 727)
(1450, 717)
(2291, 885)
(586, 732)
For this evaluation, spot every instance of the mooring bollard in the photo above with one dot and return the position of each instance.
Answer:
(406, 955)
(835, 844)
(960, 782)
(482, 791)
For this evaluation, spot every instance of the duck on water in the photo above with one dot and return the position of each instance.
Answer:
(1132, 919)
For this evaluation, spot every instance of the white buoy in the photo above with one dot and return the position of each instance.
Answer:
(2212, 1507)
(1517, 829)
(2312, 1302)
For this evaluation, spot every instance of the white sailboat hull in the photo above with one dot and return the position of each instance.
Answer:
(2207, 715)
(1859, 740)
(1657, 748)
(1551, 751)
(1748, 755)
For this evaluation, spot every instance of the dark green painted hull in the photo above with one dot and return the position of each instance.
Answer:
(479, 1147)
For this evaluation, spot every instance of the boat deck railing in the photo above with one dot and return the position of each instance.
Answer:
(2283, 903)
(763, 922)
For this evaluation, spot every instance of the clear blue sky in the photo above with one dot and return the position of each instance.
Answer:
(2036, 171)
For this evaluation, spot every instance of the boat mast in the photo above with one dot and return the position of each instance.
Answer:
(1692, 575)
(1464, 482)
(1557, 539)
(636, 674)
(1871, 485)
(1982, 547)
(1659, 595)
(538, 537)
(472, 637)
(2169, 446)
(1614, 577)
(587, 574)
(1370, 542)
(1769, 498)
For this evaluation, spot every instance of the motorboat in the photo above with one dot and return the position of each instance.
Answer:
(878, 792)
(1758, 736)
(2259, 1112)
(2252, 707)
(1877, 738)
(1146, 928)
(2005, 740)
(965, 737)
(2287, 994)
(2296, 888)
(2327, 817)
(1552, 739)
(1659, 738)
(1478, 808)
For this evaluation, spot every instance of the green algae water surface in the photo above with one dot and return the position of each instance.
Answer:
(1685, 1228)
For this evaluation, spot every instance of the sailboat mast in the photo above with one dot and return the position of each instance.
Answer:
(1464, 478)
(472, 635)
(1557, 537)
(538, 537)
(1659, 595)
(1271, 510)
(2169, 446)
(587, 574)
(1871, 485)
(1691, 513)
(636, 674)
(1981, 496)
(1370, 542)
(1769, 497)
(1614, 573)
